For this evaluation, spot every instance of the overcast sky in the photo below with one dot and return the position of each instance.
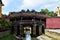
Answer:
(17, 5)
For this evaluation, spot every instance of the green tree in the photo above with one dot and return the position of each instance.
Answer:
(50, 13)
(46, 11)
(5, 23)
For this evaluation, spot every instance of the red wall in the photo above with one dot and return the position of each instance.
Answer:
(53, 22)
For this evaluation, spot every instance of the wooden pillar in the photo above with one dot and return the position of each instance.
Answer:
(18, 30)
(23, 32)
(40, 29)
(43, 29)
(31, 30)
(12, 29)
(34, 29)
(37, 30)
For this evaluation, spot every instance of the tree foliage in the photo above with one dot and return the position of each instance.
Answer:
(50, 13)
(5, 23)
(46, 11)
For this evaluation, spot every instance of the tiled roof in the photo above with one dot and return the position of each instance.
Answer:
(27, 15)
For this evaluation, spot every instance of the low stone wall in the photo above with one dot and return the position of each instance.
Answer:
(4, 33)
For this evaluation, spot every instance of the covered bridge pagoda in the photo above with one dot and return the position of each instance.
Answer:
(24, 21)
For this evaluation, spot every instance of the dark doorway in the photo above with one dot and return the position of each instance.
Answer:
(18, 30)
(43, 31)
(37, 30)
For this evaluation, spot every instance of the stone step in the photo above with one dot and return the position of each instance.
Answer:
(43, 37)
(53, 35)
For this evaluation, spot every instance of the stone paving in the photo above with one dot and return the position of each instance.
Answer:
(43, 37)
(52, 34)
(54, 30)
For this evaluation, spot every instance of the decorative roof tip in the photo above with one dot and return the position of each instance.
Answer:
(1, 3)
(32, 11)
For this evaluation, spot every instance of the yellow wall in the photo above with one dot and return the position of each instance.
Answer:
(58, 11)
(0, 11)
